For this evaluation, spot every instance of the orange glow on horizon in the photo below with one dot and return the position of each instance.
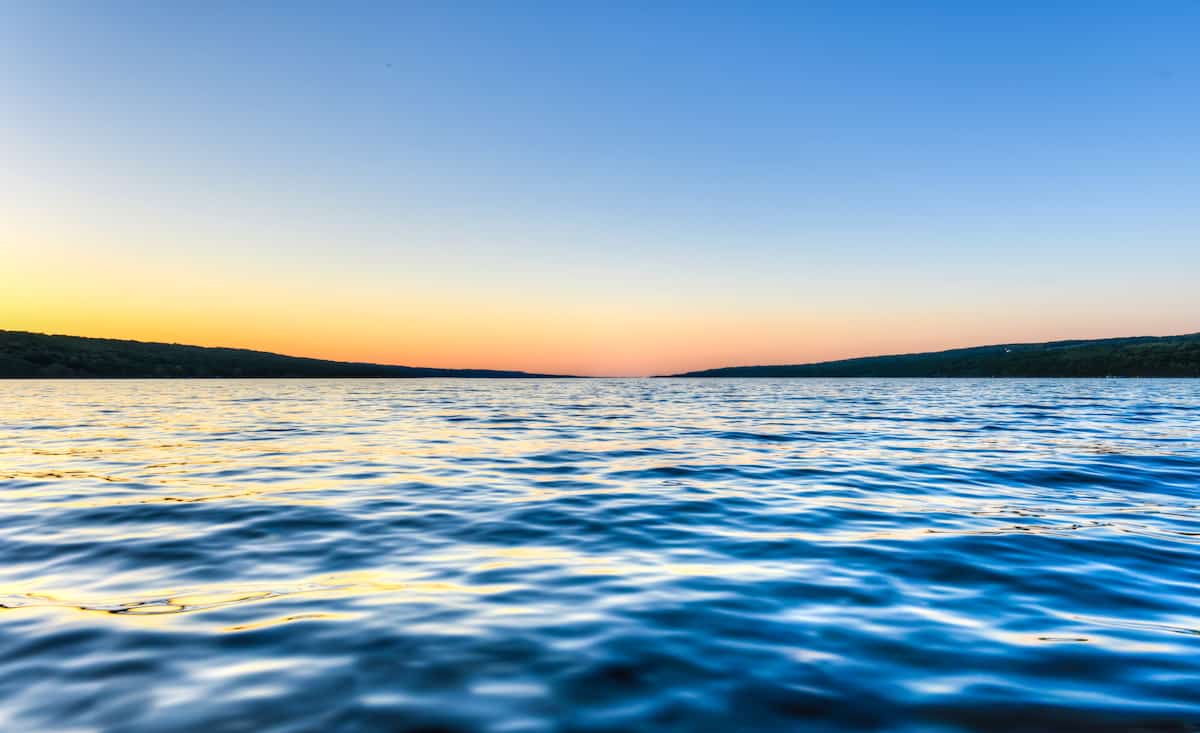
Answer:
(613, 349)
(92, 292)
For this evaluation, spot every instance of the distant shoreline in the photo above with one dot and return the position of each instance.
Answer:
(1129, 357)
(27, 355)
(565, 377)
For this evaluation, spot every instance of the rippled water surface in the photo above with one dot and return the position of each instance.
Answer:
(600, 555)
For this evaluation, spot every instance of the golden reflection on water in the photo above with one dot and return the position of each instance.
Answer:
(281, 620)
(358, 585)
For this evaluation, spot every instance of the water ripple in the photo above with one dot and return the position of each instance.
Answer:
(600, 555)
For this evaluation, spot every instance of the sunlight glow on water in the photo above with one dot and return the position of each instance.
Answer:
(605, 555)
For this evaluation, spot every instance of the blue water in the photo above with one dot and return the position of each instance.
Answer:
(608, 555)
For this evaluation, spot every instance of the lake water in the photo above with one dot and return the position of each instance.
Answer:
(600, 555)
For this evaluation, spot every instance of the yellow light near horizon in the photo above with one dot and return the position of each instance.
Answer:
(92, 288)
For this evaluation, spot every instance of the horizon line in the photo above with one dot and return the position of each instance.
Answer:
(706, 372)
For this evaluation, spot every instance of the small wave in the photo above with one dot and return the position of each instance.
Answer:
(654, 555)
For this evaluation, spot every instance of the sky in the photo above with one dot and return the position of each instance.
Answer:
(601, 188)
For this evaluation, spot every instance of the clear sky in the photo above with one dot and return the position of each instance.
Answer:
(600, 188)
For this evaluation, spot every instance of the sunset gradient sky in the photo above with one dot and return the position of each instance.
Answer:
(600, 188)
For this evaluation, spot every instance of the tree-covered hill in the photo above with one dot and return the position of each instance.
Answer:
(1141, 356)
(32, 355)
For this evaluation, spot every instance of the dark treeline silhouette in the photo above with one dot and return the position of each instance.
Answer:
(1140, 356)
(24, 354)
(34, 355)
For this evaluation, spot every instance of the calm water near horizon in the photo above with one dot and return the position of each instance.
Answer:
(522, 556)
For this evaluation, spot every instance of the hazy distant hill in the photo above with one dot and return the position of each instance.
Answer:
(1142, 356)
(24, 354)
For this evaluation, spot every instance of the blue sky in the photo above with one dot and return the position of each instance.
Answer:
(795, 180)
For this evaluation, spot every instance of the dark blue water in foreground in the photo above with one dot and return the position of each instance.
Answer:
(520, 556)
